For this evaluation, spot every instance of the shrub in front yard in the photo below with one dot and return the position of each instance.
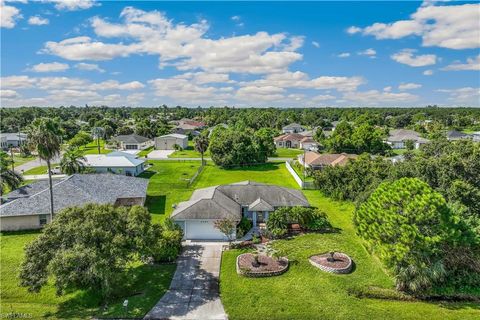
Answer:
(243, 227)
(169, 243)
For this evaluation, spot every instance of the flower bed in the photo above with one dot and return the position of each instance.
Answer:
(266, 266)
(341, 263)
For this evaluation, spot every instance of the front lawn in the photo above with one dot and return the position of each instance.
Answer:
(39, 170)
(168, 185)
(288, 152)
(189, 152)
(92, 148)
(149, 283)
(146, 151)
(305, 292)
(18, 160)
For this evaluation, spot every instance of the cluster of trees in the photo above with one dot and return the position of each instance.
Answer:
(154, 121)
(421, 215)
(233, 147)
(354, 139)
(92, 247)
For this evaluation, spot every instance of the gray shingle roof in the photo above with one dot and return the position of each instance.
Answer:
(292, 126)
(76, 190)
(397, 135)
(225, 201)
(260, 205)
(131, 138)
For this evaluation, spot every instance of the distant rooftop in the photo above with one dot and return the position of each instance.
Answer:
(131, 138)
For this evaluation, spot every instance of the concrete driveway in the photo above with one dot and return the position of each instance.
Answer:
(194, 290)
(159, 154)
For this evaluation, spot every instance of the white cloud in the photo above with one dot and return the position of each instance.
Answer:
(37, 21)
(448, 26)
(8, 94)
(353, 30)
(89, 67)
(322, 97)
(255, 94)
(428, 72)
(9, 15)
(17, 82)
(50, 67)
(115, 85)
(409, 86)
(406, 56)
(344, 55)
(235, 18)
(315, 44)
(375, 97)
(471, 64)
(387, 89)
(463, 95)
(72, 5)
(185, 47)
(370, 52)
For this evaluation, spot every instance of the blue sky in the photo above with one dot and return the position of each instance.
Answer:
(281, 54)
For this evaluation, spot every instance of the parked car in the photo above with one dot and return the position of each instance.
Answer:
(55, 170)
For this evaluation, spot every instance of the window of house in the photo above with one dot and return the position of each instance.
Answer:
(43, 219)
(244, 211)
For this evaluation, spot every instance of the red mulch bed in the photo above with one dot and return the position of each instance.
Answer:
(266, 263)
(339, 263)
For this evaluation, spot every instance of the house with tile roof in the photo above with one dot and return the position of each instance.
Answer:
(248, 199)
(317, 161)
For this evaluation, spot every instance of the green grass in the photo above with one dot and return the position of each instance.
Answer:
(189, 152)
(288, 153)
(38, 170)
(146, 151)
(148, 284)
(18, 160)
(168, 185)
(92, 148)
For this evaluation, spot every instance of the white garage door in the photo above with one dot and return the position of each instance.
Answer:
(203, 230)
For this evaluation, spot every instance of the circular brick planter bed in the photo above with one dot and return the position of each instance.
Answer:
(341, 263)
(267, 266)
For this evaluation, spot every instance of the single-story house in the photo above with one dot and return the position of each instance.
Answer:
(476, 136)
(293, 128)
(316, 161)
(29, 206)
(454, 135)
(288, 140)
(308, 143)
(168, 142)
(8, 140)
(188, 126)
(133, 142)
(399, 137)
(115, 162)
(248, 199)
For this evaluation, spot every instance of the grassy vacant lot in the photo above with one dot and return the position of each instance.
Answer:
(39, 170)
(92, 148)
(189, 152)
(148, 283)
(168, 185)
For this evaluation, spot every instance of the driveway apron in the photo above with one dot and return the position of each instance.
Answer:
(194, 290)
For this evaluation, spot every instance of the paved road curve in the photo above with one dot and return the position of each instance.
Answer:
(194, 291)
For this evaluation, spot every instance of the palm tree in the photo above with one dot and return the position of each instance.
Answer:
(72, 162)
(8, 177)
(98, 132)
(201, 145)
(44, 136)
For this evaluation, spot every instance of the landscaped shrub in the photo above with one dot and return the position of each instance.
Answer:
(169, 243)
(318, 221)
(243, 227)
(278, 219)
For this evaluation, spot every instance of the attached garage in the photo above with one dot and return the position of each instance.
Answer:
(202, 230)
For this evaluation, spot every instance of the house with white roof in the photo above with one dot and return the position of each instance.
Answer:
(14, 140)
(398, 138)
(115, 162)
(293, 128)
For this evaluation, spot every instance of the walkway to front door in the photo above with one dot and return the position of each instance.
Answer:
(194, 291)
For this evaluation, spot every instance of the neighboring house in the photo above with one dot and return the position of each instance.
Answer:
(307, 143)
(399, 137)
(29, 206)
(288, 140)
(248, 199)
(397, 159)
(14, 140)
(168, 142)
(115, 162)
(133, 142)
(293, 128)
(188, 126)
(317, 161)
(454, 135)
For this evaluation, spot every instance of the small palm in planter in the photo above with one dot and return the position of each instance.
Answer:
(256, 261)
(331, 258)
